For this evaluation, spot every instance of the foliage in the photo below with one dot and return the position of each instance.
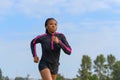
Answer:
(116, 71)
(84, 72)
(60, 77)
(100, 67)
(76, 78)
(103, 69)
(94, 77)
(19, 78)
(110, 62)
(6, 78)
(0, 74)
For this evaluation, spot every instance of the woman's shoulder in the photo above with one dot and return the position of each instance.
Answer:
(41, 35)
(58, 33)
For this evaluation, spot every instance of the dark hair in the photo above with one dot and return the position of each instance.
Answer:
(46, 22)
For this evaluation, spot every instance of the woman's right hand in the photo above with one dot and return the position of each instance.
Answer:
(36, 59)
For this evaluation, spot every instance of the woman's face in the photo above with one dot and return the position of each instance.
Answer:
(51, 26)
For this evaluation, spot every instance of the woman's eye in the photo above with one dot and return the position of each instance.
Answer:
(50, 24)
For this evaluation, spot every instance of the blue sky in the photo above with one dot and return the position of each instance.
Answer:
(92, 27)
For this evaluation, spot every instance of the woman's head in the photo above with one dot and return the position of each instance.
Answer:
(51, 25)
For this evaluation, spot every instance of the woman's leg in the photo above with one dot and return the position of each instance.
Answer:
(54, 76)
(46, 75)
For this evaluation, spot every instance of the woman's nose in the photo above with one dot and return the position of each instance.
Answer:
(53, 26)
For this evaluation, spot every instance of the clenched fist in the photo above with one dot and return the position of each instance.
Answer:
(55, 39)
(36, 59)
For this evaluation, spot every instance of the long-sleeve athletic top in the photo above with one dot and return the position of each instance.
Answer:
(50, 50)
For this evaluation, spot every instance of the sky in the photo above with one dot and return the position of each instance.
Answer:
(92, 27)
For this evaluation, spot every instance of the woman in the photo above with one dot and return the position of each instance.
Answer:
(51, 43)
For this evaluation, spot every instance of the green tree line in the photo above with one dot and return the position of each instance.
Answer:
(99, 69)
(102, 68)
(2, 77)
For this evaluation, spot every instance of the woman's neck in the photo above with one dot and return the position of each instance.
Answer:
(51, 32)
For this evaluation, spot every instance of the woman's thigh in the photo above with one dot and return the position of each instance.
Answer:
(54, 76)
(46, 74)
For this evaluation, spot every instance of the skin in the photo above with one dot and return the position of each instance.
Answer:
(45, 73)
(52, 27)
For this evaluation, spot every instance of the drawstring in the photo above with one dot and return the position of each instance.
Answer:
(52, 43)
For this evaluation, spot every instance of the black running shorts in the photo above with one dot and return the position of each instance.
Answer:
(53, 67)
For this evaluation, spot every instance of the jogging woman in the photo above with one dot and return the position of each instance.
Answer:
(51, 43)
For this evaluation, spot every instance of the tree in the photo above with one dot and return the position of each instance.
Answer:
(110, 62)
(100, 66)
(19, 78)
(6, 78)
(116, 71)
(60, 77)
(85, 71)
(76, 79)
(94, 77)
(1, 74)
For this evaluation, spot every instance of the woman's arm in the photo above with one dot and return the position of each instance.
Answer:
(63, 43)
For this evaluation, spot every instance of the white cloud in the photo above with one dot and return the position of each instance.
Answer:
(37, 8)
(98, 37)
(94, 37)
(83, 6)
(45, 7)
(5, 6)
(113, 2)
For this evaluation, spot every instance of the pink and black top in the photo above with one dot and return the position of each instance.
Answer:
(50, 50)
